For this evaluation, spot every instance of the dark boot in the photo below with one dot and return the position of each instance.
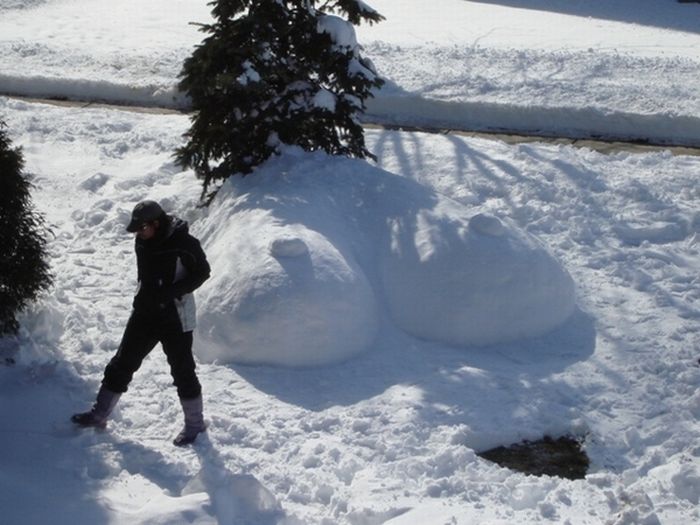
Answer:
(97, 416)
(194, 421)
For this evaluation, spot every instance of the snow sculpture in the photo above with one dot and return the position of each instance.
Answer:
(303, 256)
(282, 295)
(472, 281)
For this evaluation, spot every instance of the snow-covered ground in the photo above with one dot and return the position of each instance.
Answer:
(371, 271)
(622, 69)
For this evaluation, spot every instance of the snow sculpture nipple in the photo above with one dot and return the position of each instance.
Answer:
(288, 247)
(487, 225)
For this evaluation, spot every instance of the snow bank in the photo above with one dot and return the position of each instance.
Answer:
(163, 95)
(303, 256)
(539, 118)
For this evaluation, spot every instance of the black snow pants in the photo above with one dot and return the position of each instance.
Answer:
(141, 335)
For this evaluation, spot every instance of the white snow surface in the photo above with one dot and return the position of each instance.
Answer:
(333, 393)
(584, 68)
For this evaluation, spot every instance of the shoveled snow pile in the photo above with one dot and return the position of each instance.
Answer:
(304, 253)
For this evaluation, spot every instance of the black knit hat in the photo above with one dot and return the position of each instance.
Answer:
(144, 211)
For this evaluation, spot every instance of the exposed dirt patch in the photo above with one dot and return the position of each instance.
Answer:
(562, 457)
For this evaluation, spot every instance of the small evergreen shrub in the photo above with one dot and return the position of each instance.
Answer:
(274, 72)
(24, 272)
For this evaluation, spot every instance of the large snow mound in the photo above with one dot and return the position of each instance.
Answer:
(306, 252)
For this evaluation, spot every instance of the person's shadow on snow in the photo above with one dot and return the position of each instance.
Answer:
(235, 498)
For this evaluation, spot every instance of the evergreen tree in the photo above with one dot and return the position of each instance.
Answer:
(24, 271)
(274, 72)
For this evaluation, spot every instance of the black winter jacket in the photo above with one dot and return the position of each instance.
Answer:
(170, 266)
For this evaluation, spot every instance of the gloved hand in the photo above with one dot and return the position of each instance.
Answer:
(145, 300)
(152, 299)
(164, 295)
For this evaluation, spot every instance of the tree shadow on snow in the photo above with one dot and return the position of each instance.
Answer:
(514, 385)
(644, 12)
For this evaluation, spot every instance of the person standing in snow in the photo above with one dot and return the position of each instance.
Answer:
(171, 265)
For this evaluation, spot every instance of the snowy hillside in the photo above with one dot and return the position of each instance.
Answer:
(369, 327)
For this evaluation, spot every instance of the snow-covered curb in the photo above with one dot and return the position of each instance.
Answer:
(85, 90)
(410, 110)
(569, 122)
